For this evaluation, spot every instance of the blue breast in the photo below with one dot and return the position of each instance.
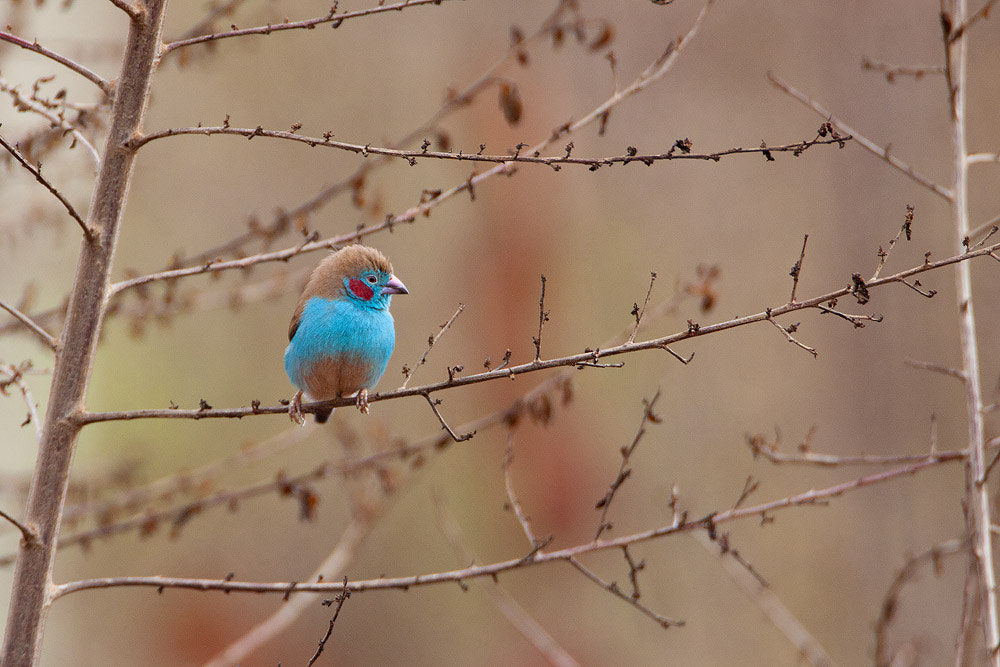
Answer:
(344, 329)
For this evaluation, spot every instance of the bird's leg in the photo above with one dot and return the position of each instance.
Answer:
(295, 409)
(362, 400)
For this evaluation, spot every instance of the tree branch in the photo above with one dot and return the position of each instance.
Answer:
(811, 497)
(580, 359)
(105, 86)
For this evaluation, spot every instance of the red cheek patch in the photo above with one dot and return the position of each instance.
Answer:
(360, 289)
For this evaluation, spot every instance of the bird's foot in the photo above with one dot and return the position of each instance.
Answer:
(362, 401)
(295, 409)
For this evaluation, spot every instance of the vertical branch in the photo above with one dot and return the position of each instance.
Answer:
(976, 470)
(542, 319)
(31, 596)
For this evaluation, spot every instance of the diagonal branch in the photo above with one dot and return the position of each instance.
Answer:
(864, 141)
(105, 86)
(37, 173)
(42, 334)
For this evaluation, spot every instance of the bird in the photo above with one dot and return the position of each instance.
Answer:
(342, 334)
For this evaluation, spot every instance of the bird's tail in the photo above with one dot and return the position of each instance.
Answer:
(323, 414)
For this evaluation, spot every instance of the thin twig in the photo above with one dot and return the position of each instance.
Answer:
(883, 255)
(329, 631)
(864, 141)
(542, 318)
(331, 17)
(792, 339)
(15, 377)
(57, 120)
(984, 11)
(126, 7)
(776, 611)
(512, 499)
(797, 269)
(47, 338)
(105, 86)
(27, 534)
(892, 71)
(639, 312)
(37, 173)
(532, 630)
(891, 602)
(937, 368)
(437, 413)
(613, 588)
(408, 372)
(604, 504)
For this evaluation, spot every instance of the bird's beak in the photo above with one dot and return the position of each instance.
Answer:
(395, 286)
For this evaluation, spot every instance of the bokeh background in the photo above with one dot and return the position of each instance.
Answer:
(596, 237)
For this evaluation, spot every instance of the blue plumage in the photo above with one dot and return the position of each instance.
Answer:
(342, 334)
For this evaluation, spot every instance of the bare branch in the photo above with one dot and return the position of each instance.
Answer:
(811, 497)
(638, 312)
(937, 368)
(891, 602)
(57, 120)
(797, 269)
(408, 372)
(978, 503)
(15, 376)
(864, 141)
(586, 357)
(892, 71)
(26, 533)
(105, 86)
(791, 339)
(604, 504)
(50, 341)
(331, 17)
(527, 157)
(617, 592)
(126, 7)
(433, 402)
(322, 643)
(37, 173)
(512, 499)
(543, 317)
(508, 606)
(772, 606)
(883, 255)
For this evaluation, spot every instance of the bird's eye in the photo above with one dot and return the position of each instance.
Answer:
(372, 279)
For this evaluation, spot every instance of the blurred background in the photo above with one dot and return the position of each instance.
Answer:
(596, 236)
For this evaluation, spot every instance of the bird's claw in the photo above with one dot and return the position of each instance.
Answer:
(362, 401)
(295, 409)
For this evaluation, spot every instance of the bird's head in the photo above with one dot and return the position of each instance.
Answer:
(359, 273)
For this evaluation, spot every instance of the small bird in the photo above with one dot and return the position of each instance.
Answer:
(341, 334)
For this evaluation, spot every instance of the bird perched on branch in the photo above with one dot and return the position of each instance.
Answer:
(341, 334)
